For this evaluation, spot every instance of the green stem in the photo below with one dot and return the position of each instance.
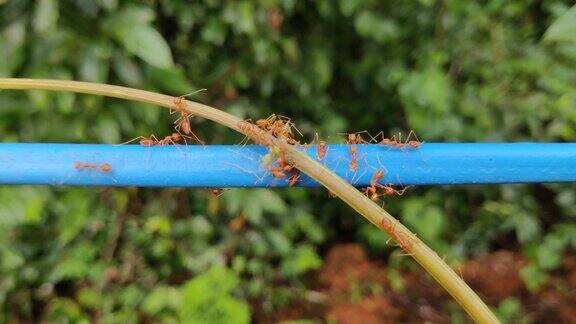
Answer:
(431, 262)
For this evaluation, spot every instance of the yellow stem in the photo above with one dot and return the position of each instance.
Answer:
(426, 257)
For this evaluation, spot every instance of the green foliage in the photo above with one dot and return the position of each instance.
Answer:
(563, 28)
(451, 70)
(132, 29)
(510, 311)
(206, 299)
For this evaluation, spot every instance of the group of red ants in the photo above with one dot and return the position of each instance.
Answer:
(282, 128)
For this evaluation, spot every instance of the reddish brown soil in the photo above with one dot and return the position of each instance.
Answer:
(495, 276)
(354, 289)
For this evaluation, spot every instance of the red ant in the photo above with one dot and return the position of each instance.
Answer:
(321, 150)
(390, 191)
(277, 172)
(353, 150)
(356, 138)
(352, 140)
(404, 241)
(174, 138)
(254, 132)
(415, 143)
(279, 126)
(183, 123)
(372, 190)
(105, 167)
(294, 179)
(217, 192)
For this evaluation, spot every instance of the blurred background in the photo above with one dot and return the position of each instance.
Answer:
(453, 71)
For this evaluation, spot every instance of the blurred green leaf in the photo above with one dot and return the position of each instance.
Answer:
(45, 16)
(533, 277)
(73, 216)
(301, 260)
(510, 310)
(127, 70)
(427, 220)
(550, 253)
(158, 224)
(214, 32)
(162, 298)
(11, 51)
(564, 28)
(22, 204)
(206, 299)
(131, 27)
(370, 25)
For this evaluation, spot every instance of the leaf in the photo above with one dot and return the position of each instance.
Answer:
(94, 63)
(158, 224)
(214, 31)
(271, 202)
(22, 204)
(45, 16)
(173, 79)
(146, 43)
(131, 27)
(127, 70)
(75, 264)
(550, 253)
(278, 241)
(527, 227)
(533, 277)
(207, 299)
(347, 7)
(11, 51)
(303, 259)
(73, 213)
(564, 28)
(427, 220)
(380, 29)
(162, 298)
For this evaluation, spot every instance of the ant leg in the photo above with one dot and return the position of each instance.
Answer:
(196, 138)
(401, 192)
(259, 179)
(132, 140)
(193, 93)
(367, 133)
(381, 133)
(411, 134)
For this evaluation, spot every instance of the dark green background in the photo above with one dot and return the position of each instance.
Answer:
(452, 70)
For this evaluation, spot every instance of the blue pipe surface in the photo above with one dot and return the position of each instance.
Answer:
(237, 166)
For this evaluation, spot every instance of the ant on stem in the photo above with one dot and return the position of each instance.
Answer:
(183, 122)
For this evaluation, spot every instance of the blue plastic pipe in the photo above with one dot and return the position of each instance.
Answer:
(236, 166)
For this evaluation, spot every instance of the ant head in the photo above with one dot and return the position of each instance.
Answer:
(105, 167)
(178, 101)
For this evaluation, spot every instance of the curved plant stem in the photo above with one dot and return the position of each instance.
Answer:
(412, 245)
